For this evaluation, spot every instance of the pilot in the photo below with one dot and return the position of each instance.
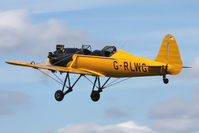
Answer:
(109, 51)
(63, 50)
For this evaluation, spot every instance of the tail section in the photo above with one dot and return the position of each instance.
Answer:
(170, 55)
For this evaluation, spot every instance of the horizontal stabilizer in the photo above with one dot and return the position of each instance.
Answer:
(186, 67)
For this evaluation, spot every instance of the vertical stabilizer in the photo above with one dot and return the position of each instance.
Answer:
(170, 55)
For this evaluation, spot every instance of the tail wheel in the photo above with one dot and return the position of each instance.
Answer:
(166, 80)
(59, 95)
(95, 96)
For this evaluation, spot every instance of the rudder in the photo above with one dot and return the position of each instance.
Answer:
(170, 55)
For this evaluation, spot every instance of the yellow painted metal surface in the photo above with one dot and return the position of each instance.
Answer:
(169, 54)
(121, 64)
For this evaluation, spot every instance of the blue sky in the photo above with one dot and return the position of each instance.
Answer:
(29, 30)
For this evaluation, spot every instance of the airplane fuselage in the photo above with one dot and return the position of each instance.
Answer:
(121, 64)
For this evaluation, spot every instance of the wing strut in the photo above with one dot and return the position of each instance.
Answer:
(58, 81)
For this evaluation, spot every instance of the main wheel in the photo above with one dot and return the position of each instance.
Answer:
(95, 96)
(59, 95)
(165, 80)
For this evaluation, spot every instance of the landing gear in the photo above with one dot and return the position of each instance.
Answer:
(59, 94)
(165, 80)
(95, 94)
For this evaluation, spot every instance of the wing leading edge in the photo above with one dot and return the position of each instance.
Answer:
(54, 68)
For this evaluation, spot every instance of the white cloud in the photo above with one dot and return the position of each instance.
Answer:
(192, 72)
(177, 115)
(195, 67)
(39, 6)
(18, 32)
(126, 127)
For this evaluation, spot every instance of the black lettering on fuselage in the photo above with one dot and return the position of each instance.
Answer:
(137, 67)
(115, 65)
(126, 66)
(133, 70)
(144, 69)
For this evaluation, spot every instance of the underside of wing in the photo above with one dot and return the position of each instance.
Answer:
(53, 68)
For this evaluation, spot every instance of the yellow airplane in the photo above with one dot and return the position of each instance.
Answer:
(108, 62)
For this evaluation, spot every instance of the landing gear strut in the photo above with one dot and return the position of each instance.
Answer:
(59, 94)
(165, 80)
(95, 94)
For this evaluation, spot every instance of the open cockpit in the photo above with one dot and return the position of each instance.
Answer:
(62, 55)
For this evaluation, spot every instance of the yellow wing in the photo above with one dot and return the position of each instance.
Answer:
(54, 68)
